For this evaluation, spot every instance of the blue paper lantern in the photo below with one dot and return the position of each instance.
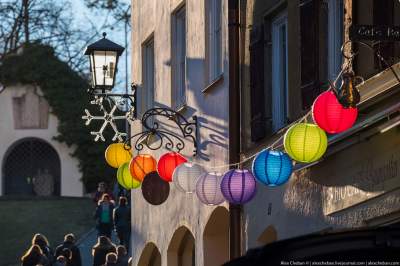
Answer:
(238, 186)
(272, 168)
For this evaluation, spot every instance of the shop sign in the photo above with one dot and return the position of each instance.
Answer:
(374, 33)
(371, 178)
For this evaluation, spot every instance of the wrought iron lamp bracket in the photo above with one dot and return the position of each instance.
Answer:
(155, 137)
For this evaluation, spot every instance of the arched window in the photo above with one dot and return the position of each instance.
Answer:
(181, 249)
(269, 235)
(216, 238)
(150, 256)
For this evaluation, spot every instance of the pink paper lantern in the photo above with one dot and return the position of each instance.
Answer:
(330, 115)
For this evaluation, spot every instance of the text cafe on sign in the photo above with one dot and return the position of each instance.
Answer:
(374, 33)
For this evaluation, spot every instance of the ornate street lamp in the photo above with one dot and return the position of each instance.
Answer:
(103, 56)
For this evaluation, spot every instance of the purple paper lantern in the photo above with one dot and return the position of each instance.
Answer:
(238, 186)
(208, 188)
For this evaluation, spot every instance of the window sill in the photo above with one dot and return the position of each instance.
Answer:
(214, 83)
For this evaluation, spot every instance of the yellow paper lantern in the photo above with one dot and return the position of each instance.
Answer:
(125, 178)
(305, 142)
(116, 155)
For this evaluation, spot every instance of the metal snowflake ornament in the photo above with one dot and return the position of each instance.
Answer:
(109, 118)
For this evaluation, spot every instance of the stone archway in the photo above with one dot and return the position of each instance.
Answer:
(150, 256)
(181, 249)
(216, 238)
(31, 166)
(269, 235)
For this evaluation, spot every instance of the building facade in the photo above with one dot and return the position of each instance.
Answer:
(289, 51)
(180, 61)
(32, 162)
(292, 48)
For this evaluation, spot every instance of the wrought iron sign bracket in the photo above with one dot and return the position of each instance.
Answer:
(376, 52)
(155, 137)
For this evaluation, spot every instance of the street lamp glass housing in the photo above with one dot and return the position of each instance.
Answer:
(103, 56)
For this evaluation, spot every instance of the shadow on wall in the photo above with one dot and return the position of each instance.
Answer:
(212, 127)
(150, 256)
(181, 249)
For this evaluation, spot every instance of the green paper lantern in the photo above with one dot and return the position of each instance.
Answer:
(125, 178)
(305, 142)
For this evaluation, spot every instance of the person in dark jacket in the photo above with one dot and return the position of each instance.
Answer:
(104, 216)
(122, 221)
(43, 243)
(122, 255)
(34, 256)
(101, 249)
(67, 254)
(101, 190)
(60, 261)
(69, 243)
(111, 259)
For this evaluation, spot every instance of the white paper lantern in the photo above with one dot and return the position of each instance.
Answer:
(185, 177)
(208, 188)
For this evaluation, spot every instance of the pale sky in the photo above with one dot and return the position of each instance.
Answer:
(82, 16)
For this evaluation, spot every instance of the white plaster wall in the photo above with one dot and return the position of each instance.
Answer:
(157, 224)
(70, 174)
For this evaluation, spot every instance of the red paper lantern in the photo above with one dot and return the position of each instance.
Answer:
(167, 164)
(330, 115)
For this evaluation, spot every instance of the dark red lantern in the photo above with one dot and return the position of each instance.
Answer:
(330, 115)
(155, 190)
(167, 164)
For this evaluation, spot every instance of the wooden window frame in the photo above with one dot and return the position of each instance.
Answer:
(179, 58)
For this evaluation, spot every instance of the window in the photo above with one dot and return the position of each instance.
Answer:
(310, 50)
(179, 58)
(335, 37)
(214, 39)
(30, 111)
(279, 72)
(148, 75)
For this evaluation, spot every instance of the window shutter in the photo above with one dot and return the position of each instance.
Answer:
(383, 15)
(309, 57)
(257, 95)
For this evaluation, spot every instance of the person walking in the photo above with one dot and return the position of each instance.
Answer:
(101, 249)
(69, 243)
(43, 243)
(67, 254)
(34, 256)
(111, 259)
(104, 216)
(122, 221)
(60, 261)
(101, 190)
(122, 256)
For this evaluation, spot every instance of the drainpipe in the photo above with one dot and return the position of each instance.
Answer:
(235, 211)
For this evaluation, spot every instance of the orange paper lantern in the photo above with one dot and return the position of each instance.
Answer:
(141, 165)
(167, 164)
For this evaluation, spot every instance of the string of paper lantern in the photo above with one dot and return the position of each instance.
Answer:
(303, 142)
